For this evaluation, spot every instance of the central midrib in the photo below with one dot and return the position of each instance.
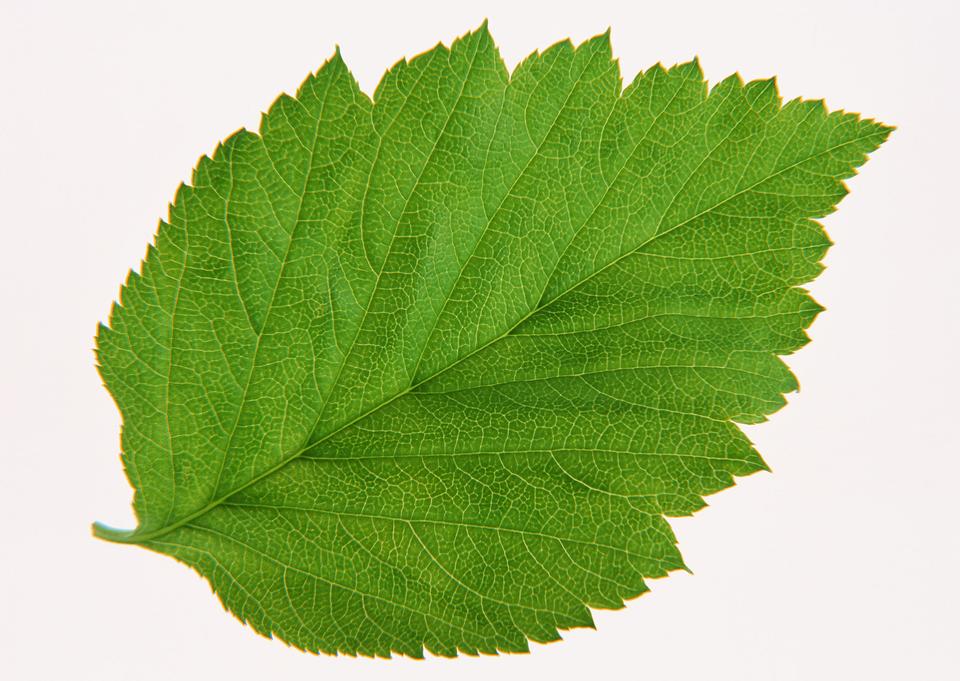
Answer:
(132, 537)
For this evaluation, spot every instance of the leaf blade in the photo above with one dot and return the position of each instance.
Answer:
(452, 356)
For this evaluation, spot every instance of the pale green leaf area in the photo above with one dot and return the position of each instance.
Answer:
(429, 370)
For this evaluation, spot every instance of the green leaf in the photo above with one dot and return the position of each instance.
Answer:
(430, 370)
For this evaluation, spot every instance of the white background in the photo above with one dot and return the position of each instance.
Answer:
(842, 564)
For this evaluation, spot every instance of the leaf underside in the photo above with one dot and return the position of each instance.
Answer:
(429, 370)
